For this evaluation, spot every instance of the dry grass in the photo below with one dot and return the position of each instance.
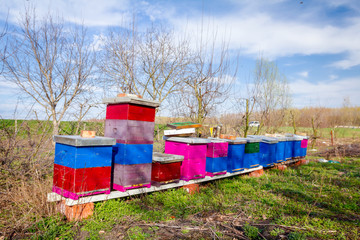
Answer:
(26, 167)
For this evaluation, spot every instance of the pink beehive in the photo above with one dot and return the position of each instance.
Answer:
(194, 152)
(304, 143)
(217, 149)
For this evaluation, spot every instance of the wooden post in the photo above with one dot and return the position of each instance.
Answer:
(332, 137)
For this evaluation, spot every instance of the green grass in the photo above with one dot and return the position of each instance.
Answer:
(318, 200)
(325, 132)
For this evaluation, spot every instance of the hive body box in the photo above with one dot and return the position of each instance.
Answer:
(267, 150)
(280, 148)
(130, 131)
(82, 166)
(304, 144)
(194, 152)
(216, 158)
(252, 153)
(236, 152)
(296, 145)
(130, 120)
(165, 168)
(289, 146)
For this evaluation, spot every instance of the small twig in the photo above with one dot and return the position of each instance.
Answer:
(262, 236)
(293, 227)
(238, 233)
(178, 227)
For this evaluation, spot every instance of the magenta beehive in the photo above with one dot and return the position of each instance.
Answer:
(194, 152)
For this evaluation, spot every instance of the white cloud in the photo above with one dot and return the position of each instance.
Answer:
(304, 74)
(262, 33)
(89, 12)
(325, 93)
(333, 77)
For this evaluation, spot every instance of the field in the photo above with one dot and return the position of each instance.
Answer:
(314, 201)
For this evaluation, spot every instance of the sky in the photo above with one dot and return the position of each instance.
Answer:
(315, 44)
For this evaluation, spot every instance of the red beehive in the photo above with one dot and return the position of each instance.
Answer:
(165, 168)
(131, 108)
(130, 112)
(72, 182)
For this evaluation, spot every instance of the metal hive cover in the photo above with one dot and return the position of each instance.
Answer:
(236, 141)
(166, 158)
(264, 139)
(190, 140)
(132, 100)
(76, 140)
(253, 139)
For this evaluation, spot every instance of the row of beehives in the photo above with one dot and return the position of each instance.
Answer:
(85, 166)
(124, 158)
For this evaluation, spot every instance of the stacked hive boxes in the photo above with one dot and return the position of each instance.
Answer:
(267, 150)
(252, 153)
(82, 166)
(130, 120)
(216, 158)
(304, 144)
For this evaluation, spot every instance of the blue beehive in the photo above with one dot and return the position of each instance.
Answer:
(289, 146)
(216, 157)
(81, 155)
(236, 152)
(267, 153)
(127, 154)
(216, 166)
(252, 153)
(296, 145)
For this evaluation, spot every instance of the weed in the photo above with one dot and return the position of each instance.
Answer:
(136, 233)
(296, 236)
(277, 231)
(251, 231)
(185, 231)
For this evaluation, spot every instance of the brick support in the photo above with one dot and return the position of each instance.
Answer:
(76, 212)
(191, 188)
(257, 173)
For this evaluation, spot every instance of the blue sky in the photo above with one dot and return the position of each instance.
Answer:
(316, 44)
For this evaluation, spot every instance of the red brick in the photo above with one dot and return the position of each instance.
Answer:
(191, 188)
(76, 212)
(257, 173)
(281, 167)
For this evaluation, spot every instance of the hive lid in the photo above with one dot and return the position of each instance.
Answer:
(235, 141)
(182, 125)
(132, 100)
(279, 137)
(166, 158)
(75, 140)
(250, 139)
(293, 137)
(269, 140)
(190, 140)
(264, 139)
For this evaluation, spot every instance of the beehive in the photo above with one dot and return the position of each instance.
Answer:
(130, 120)
(194, 152)
(82, 166)
(165, 168)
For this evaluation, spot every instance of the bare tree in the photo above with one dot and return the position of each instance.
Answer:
(53, 63)
(3, 45)
(151, 63)
(270, 92)
(119, 61)
(209, 86)
(164, 63)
